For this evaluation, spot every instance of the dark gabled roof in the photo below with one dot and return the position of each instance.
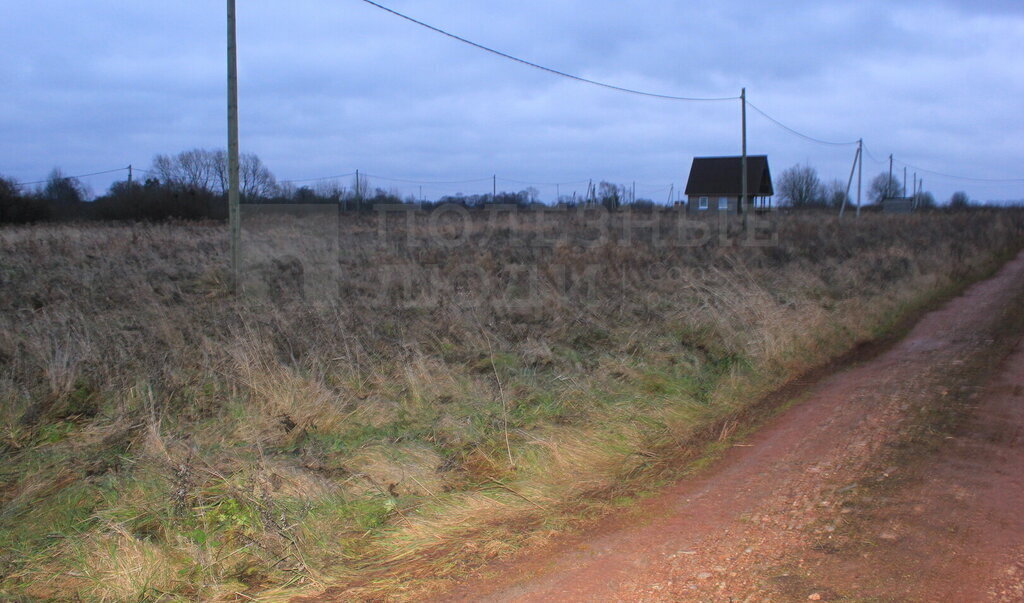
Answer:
(722, 175)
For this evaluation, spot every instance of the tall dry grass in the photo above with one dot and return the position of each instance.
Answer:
(391, 392)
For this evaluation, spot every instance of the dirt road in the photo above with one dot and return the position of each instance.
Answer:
(900, 478)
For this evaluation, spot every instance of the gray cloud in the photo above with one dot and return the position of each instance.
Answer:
(329, 87)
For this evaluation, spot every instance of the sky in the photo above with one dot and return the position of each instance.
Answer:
(327, 87)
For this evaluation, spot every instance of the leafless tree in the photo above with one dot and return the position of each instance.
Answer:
(835, 193)
(799, 186)
(62, 190)
(959, 200)
(205, 169)
(196, 169)
(884, 186)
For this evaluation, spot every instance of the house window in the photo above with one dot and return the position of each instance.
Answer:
(723, 203)
(702, 203)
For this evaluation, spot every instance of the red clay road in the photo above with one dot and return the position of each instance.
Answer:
(802, 510)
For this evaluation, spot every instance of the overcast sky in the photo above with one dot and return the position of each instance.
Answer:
(331, 86)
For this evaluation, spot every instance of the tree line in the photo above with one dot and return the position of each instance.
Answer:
(192, 185)
(800, 187)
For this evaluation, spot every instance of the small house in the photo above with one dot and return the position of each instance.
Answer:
(715, 184)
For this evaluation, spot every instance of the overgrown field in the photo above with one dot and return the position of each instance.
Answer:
(392, 397)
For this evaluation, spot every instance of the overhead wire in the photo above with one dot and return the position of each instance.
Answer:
(797, 132)
(321, 178)
(124, 169)
(955, 177)
(557, 72)
(426, 182)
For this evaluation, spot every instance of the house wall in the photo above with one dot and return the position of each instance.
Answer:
(898, 206)
(693, 204)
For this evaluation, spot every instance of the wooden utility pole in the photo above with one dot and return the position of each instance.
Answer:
(904, 182)
(849, 183)
(743, 160)
(234, 220)
(494, 188)
(888, 185)
(129, 176)
(359, 194)
(860, 166)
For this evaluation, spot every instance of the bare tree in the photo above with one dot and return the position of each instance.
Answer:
(207, 170)
(195, 169)
(799, 186)
(924, 200)
(835, 193)
(62, 190)
(884, 186)
(255, 179)
(959, 200)
(611, 195)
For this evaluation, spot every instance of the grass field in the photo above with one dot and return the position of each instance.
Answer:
(391, 395)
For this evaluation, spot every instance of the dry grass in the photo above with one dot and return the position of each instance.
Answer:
(387, 396)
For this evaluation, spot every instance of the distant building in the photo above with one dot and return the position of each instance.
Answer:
(715, 184)
(898, 205)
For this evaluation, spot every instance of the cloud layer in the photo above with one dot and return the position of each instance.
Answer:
(330, 87)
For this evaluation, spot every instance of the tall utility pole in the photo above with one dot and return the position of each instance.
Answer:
(234, 220)
(888, 185)
(904, 182)
(849, 183)
(860, 166)
(494, 188)
(359, 194)
(743, 160)
(129, 176)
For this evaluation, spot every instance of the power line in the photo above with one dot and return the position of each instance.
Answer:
(405, 181)
(543, 68)
(955, 177)
(78, 176)
(872, 157)
(293, 181)
(797, 133)
(541, 183)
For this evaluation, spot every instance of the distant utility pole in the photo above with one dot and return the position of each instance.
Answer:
(359, 194)
(888, 185)
(743, 160)
(849, 183)
(494, 188)
(129, 176)
(234, 220)
(904, 182)
(860, 166)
